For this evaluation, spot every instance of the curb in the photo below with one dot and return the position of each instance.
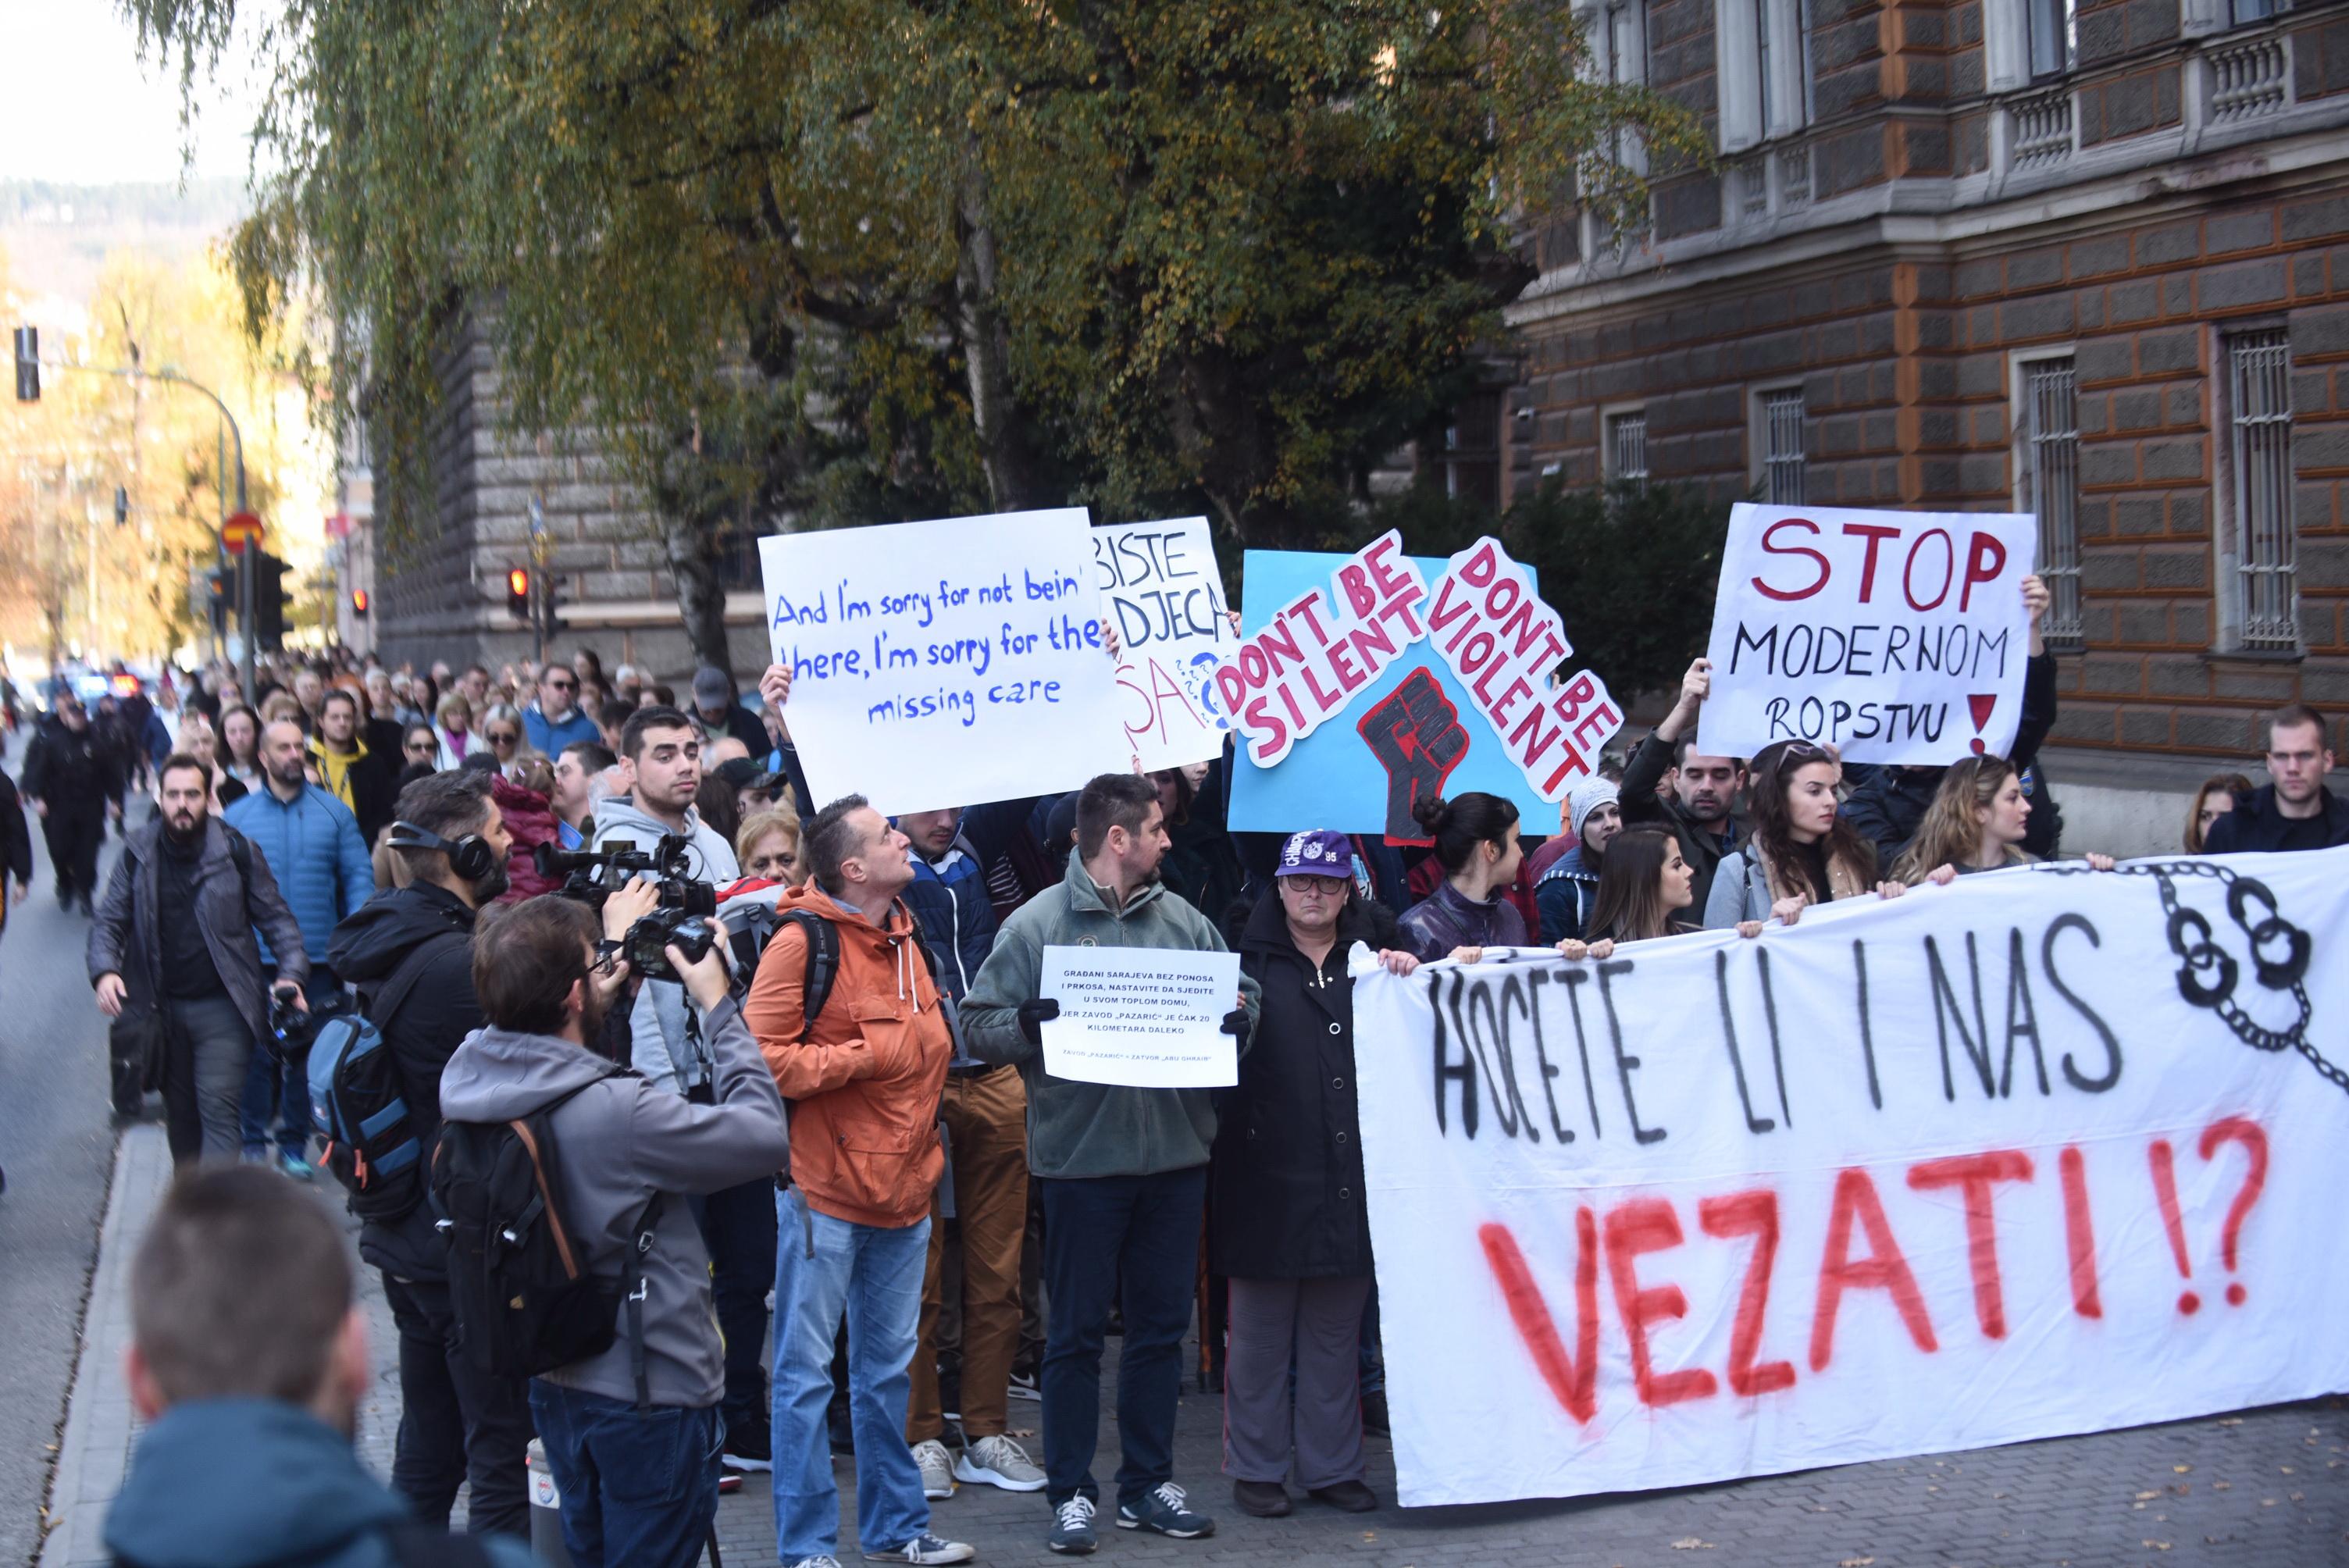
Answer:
(97, 1403)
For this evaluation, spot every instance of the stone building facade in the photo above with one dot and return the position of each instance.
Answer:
(2089, 261)
(442, 595)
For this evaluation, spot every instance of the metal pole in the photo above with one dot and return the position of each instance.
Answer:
(246, 572)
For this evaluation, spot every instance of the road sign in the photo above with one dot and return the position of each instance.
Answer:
(240, 529)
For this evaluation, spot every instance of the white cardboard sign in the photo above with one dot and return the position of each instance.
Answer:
(1894, 636)
(1160, 587)
(1147, 1017)
(944, 664)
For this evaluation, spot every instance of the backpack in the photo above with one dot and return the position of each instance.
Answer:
(359, 1104)
(519, 1287)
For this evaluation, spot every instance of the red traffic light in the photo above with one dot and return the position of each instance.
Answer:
(358, 601)
(518, 580)
(518, 592)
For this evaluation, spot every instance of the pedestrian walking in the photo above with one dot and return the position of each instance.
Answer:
(73, 780)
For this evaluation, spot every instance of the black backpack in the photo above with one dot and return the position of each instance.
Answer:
(524, 1298)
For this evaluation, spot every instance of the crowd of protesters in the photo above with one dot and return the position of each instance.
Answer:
(849, 1108)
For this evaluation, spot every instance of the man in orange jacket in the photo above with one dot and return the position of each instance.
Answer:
(861, 1079)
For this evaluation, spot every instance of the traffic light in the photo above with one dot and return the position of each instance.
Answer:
(552, 589)
(269, 601)
(518, 592)
(220, 594)
(29, 365)
(358, 604)
(122, 506)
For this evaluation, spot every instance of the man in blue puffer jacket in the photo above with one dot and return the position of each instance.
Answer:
(311, 843)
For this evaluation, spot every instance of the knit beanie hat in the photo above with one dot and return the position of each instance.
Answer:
(1588, 797)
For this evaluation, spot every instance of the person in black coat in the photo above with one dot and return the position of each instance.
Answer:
(1289, 1226)
(2293, 810)
(74, 781)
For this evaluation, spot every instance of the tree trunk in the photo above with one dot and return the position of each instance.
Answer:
(1014, 480)
(701, 601)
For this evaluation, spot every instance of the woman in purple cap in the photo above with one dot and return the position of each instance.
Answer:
(1288, 1225)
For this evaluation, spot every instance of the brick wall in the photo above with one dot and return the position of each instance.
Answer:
(1905, 367)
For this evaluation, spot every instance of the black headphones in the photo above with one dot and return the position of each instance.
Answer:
(470, 857)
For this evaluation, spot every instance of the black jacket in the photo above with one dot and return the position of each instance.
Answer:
(2255, 823)
(16, 845)
(75, 772)
(430, 929)
(1286, 1179)
(1643, 809)
(125, 940)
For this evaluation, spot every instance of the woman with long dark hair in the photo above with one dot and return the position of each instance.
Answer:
(1801, 853)
(1644, 893)
(1476, 844)
(2212, 801)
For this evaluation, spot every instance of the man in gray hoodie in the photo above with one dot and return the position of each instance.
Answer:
(1122, 1172)
(639, 1485)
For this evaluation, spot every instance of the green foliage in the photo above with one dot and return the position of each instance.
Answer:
(851, 260)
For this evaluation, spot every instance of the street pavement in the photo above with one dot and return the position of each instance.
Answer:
(58, 1147)
(2268, 1486)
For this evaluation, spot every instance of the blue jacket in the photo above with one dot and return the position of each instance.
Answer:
(549, 739)
(315, 850)
(1565, 896)
(238, 1484)
(958, 918)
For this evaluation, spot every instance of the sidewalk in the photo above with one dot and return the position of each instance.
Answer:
(2267, 1486)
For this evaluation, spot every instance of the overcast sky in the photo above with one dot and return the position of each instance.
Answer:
(81, 106)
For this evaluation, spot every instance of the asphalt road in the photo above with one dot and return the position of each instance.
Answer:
(57, 1144)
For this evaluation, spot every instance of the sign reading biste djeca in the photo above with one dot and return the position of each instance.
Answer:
(1894, 636)
(944, 664)
(1162, 591)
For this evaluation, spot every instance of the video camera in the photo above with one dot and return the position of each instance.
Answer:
(592, 876)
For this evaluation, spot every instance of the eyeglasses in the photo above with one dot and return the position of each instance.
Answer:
(503, 737)
(565, 685)
(1327, 887)
(423, 745)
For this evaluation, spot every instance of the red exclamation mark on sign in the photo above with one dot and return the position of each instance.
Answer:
(1982, 704)
(2165, 1189)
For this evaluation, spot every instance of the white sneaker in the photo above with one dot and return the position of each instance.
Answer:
(937, 1470)
(999, 1461)
(823, 1562)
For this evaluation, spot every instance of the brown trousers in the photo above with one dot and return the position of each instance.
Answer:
(985, 1117)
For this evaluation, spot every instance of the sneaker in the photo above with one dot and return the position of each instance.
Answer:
(926, 1548)
(999, 1461)
(1264, 1499)
(1023, 1386)
(1164, 1511)
(295, 1166)
(824, 1560)
(1072, 1527)
(748, 1448)
(937, 1472)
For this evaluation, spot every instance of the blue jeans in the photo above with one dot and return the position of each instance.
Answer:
(824, 1267)
(639, 1487)
(1136, 1237)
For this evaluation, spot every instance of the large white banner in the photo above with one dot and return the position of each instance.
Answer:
(944, 664)
(2045, 1152)
(1896, 636)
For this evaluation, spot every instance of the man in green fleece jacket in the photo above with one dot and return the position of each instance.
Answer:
(1122, 1172)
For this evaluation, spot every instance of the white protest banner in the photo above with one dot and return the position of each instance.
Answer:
(944, 664)
(1161, 589)
(1895, 636)
(1147, 1018)
(2045, 1152)
(1503, 643)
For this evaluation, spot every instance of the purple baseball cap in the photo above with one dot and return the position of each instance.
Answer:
(1317, 852)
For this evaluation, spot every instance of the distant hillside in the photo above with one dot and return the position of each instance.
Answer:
(56, 236)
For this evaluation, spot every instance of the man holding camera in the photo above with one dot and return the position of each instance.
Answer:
(668, 1043)
(174, 934)
(631, 1432)
(862, 1064)
(410, 953)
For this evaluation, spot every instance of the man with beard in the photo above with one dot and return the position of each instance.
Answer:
(175, 933)
(1701, 811)
(248, 1360)
(411, 954)
(73, 780)
(313, 846)
(632, 1432)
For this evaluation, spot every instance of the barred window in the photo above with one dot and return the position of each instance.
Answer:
(2259, 381)
(2051, 488)
(1782, 448)
(1627, 447)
